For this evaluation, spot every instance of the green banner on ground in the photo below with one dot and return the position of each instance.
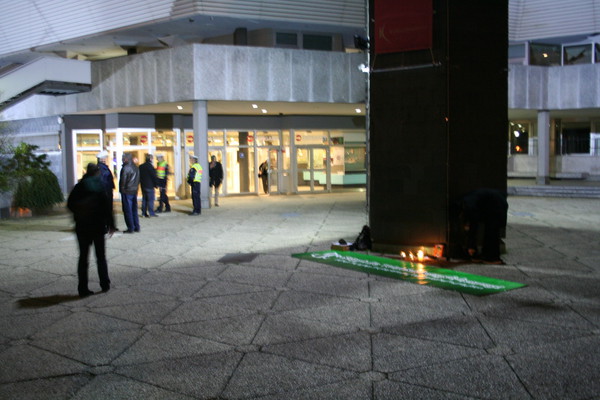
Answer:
(412, 271)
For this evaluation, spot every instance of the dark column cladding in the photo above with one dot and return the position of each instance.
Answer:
(438, 123)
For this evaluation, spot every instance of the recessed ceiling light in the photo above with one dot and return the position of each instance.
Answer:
(264, 111)
(254, 106)
(180, 107)
(358, 110)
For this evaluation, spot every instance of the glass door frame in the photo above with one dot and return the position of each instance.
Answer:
(311, 169)
(279, 167)
(78, 149)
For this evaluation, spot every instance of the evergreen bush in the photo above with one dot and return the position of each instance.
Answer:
(38, 191)
(37, 187)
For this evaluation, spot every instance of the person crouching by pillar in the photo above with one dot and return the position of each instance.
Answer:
(128, 187)
(162, 173)
(215, 173)
(93, 214)
(194, 178)
(487, 208)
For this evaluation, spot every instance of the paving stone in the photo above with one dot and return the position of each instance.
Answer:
(396, 353)
(116, 387)
(234, 330)
(353, 389)
(49, 388)
(158, 345)
(202, 376)
(390, 390)
(265, 374)
(91, 348)
(563, 370)
(27, 362)
(350, 352)
(486, 376)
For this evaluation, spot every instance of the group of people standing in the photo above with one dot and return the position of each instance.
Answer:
(91, 202)
(149, 179)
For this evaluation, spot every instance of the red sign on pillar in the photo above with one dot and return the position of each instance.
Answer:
(403, 25)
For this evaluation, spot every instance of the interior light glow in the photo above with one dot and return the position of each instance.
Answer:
(545, 55)
(180, 107)
(358, 110)
(254, 106)
(264, 111)
(516, 133)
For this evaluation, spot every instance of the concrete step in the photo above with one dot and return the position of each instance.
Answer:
(555, 191)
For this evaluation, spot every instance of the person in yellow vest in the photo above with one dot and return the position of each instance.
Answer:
(162, 172)
(194, 178)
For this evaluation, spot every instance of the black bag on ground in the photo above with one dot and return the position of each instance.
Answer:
(363, 241)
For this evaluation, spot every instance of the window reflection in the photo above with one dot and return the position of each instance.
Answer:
(544, 54)
(577, 54)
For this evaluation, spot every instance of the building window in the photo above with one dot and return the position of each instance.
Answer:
(317, 42)
(597, 52)
(519, 137)
(544, 54)
(285, 39)
(516, 53)
(574, 138)
(581, 54)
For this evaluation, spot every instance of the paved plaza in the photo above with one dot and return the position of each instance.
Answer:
(215, 307)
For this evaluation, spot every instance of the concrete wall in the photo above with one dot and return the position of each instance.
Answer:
(209, 72)
(554, 88)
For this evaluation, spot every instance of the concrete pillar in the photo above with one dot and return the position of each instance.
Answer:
(200, 125)
(543, 134)
(438, 122)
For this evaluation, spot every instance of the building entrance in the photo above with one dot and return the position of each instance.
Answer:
(314, 169)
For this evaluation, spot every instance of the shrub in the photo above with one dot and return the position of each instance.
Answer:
(37, 187)
(38, 191)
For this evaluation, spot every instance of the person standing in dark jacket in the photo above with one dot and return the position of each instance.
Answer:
(106, 176)
(148, 182)
(215, 174)
(129, 181)
(93, 216)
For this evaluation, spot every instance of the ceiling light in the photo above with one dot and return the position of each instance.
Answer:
(264, 111)
(358, 110)
(180, 107)
(254, 106)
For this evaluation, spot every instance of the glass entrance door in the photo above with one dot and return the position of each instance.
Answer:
(270, 156)
(314, 170)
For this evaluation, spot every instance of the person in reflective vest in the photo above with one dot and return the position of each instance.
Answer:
(162, 172)
(193, 179)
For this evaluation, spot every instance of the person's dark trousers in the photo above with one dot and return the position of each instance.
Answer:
(491, 240)
(85, 240)
(196, 197)
(163, 199)
(129, 202)
(148, 202)
(265, 183)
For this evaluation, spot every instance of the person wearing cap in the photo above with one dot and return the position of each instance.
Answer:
(94, 217)
(162, 172)
(106, 175)
(193, 179)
